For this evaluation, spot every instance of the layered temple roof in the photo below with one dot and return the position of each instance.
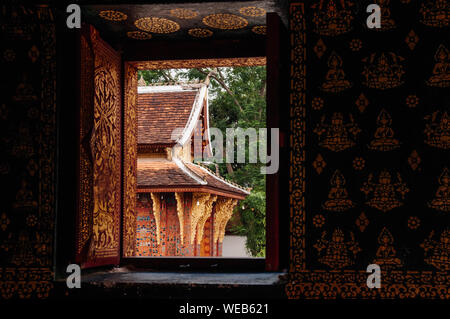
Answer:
(160, 113)
(167, 116)
(172, 176)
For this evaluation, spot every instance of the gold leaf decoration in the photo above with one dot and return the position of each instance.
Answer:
(113, 15)
(200, 32)
(183, 13)
(139, 35)
(252, 11)
(225, 21)
(157, 25)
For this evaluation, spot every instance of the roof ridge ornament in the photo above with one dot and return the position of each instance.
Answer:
(141, 81)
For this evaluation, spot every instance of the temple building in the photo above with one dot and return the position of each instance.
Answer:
(182, 207)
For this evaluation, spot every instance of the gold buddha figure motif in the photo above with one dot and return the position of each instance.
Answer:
(337, 136)
(332, 17)
(437, 252)
(383, 71)
(384, 135)
(387, 23)
(442, 200)
(386, 255)
(24, 197)
(438, 130)
(436, 13)
(384, 194)
(441, 70)
(335, 80)
(24, 90)
(336, 252)
(337, 197)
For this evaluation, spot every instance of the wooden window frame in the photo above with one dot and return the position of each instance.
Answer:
(276, 190)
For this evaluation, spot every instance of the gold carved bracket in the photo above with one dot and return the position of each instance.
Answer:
(224, 211)
(206, 214)
(157, 213)
(180, 212)
(198, 207)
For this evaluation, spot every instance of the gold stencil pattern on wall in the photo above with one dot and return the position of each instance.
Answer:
(320, 48)
(336, 252)
(259, 29)
(386, 255)
(437, 130)
(113, 15)
(139, 35)
(384, 135)
(252, 11)
(383, 71)
(157, 25)
(437, 252)
(385, 194)
(441, 71)
(412, 39)
(337, 135)
(183, 13)
(200, 32)
(387, 23)
(441, 201)
(338, 196)
(319, 164)
(335, 80)
(225, 21)
(332, 18)
(435, 13)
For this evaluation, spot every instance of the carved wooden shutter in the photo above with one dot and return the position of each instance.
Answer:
(99, 204)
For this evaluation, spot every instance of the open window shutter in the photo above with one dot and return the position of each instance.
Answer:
(99, 202)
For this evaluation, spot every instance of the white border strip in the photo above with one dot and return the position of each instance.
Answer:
(223, 181)
(165, 88)
(188, 172)
(193, 117)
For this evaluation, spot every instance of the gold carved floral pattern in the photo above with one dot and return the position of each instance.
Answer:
(224, 211)
(105, 144)
(199, 201)
(199, 63)
(180, 212)
(130, 161)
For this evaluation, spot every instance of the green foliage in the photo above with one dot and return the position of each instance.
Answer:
(237, 98)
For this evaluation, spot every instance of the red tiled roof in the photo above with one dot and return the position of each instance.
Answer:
(163, 173)
(168, 175)
(160, 113)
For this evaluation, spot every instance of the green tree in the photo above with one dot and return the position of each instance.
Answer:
(237, 98)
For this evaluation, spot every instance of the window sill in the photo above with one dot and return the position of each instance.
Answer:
(109, 279)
